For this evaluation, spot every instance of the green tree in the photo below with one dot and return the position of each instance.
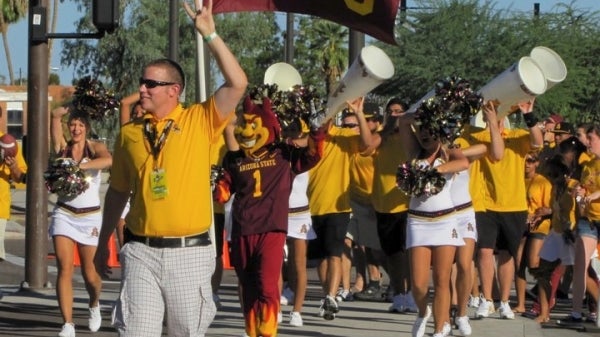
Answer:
(11, 12)
(478, 41)
(322, 52)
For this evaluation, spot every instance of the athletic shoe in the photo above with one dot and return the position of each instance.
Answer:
(473, 301)
(418, 329)
(329, 308)
(68, 330)
(570, 320)
(287, 297)
(372, 293)
(592, 317)
(344, 295)
(409, 303)
(95, 320)
(279, 317)
(295, 319)
(485, 309)
(464, 326)
(398, 303)
(446, 329)
(505, 311)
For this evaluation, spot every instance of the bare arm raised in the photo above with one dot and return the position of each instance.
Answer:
(230, 93)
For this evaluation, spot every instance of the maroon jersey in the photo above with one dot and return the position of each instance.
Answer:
(262, 187)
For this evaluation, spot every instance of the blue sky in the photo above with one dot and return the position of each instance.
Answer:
(68, 15)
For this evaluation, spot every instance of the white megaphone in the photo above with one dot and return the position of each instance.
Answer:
(369, 70)
(552, 65)
(284, 75)
(522, 81)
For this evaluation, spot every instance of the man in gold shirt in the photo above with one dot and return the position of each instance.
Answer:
(503, 223)
(168, 259)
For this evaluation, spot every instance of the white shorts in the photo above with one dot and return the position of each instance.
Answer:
(466, 223)
(362, 228)
(300, 226)
(83, 228)
(440, 231)
(554, 248)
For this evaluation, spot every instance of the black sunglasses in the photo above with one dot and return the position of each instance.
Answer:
(349, 125)
(153, 84)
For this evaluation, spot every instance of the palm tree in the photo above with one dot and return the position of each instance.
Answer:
(12, 11)
(329, 44)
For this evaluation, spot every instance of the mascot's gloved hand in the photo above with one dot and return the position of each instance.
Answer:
(316, 118)
(222, 185)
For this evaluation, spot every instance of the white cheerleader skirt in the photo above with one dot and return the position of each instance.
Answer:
(83, 228)
(466, 223)
(439, 231)
(300, 226)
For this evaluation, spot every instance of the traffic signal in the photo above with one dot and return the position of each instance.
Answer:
(105, 15)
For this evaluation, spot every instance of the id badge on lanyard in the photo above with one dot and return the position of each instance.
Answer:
(158, 177)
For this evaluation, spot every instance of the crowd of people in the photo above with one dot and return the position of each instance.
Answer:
(508, 201)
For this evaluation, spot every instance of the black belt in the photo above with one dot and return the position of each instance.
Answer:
(168, 242)
(431, 214)
(77, 210)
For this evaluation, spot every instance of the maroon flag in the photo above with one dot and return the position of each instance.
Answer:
(373, 17)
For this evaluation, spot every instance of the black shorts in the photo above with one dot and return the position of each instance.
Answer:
(331, 232)
(219, 232)
(501, 230)
(391, 228)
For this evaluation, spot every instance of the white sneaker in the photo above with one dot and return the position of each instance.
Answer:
(418, 329)
(409, 303)
(398, 303)
(485, 309)
(287, 297)
(68, 330)
(95, 320)
(446, 329)
(474, 301)
(279, 317)
(464, 326)
(295, 319)
(506, 311)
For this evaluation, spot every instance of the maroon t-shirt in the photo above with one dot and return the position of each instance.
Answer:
(262, 187)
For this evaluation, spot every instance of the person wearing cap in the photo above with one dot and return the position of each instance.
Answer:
(549, 125)
(561, 131)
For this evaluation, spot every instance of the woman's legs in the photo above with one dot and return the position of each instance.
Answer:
(442, 258)
(93, 282)
(64, 248)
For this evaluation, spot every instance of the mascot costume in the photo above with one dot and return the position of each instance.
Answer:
(261, 175)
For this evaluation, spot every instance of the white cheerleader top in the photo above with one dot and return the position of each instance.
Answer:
(298, 197)
(437, 202)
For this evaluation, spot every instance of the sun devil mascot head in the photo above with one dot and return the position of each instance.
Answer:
(258, 129)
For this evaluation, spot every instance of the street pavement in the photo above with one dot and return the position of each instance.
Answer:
(35, 312)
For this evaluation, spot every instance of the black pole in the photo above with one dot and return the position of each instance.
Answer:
(536, 9)
(356, 42)
(173, 30)
(36, 229)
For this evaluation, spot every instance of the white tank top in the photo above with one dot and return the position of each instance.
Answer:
(437, 202)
